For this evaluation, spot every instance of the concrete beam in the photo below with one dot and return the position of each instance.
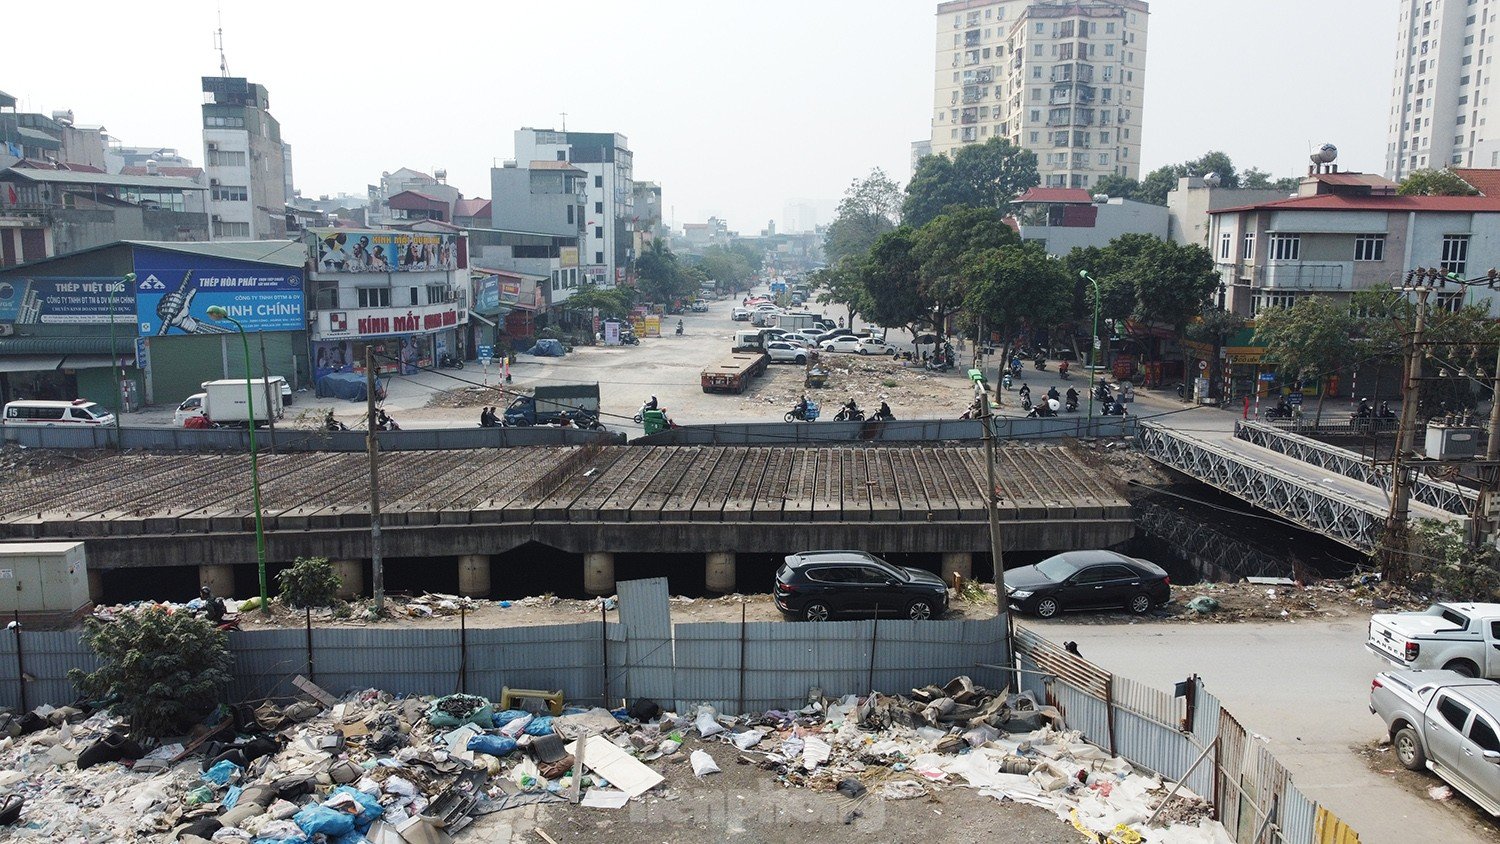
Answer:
(719, 572)
(474, 575)
(219, 578)
(599, 573)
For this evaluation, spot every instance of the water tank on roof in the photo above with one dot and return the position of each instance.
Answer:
(65, 117)
(151, 167)
(1213, 180)
(1326, 154)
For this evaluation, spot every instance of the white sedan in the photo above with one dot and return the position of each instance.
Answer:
(782, 352)
(859, 345)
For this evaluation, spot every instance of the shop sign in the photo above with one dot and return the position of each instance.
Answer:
(84, 300)
(375, 322)
(174, 290)
(370, 251)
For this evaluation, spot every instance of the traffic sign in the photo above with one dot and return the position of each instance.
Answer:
(1268, 376)
(1203, 365)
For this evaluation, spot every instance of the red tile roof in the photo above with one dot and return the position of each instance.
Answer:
(1057, 195)
(1355, 180)
(1486, 182)
(475, 207)
(1335, 202)
(180, 172)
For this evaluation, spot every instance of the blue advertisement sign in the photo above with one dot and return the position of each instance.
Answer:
(174, 291)
(58, 300)
(487, 299)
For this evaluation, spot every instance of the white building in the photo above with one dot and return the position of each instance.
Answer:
(245, 161)
(1065, 80)
(608, 243)
(1441, 91)
(1064, 219)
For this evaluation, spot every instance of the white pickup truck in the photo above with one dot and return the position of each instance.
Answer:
(1447, 723)
(1455, 637)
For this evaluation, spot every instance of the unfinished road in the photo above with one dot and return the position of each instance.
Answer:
(144, 510)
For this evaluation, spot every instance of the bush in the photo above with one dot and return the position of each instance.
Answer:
(165, 669)
(1444, 564)
(310, 582)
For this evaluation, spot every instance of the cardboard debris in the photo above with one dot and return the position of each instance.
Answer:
(615, 765)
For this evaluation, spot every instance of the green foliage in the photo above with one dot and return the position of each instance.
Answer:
(727, 266)
(660, 277)
(167, 670)
(1113, 185)
(1015, 287)
(308, 582)
(891, 278)
(1443, 182)
(611, 302)
(1214, 325)
(1308, 340)
(944, 247)
(987, 175)
(868, 210)
(1158, 183)
(1145, 278)
(843, 284)
(1445, 564)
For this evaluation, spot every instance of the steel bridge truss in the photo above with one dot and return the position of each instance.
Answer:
(1355, 523)
(1443, 495)
(1221, 556)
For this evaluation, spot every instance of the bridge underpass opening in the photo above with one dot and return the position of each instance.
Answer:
(157, 583)
(534, 569)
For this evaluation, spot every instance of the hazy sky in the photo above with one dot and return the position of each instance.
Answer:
(736, 108)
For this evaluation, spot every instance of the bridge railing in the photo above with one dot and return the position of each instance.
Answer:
(295, 439)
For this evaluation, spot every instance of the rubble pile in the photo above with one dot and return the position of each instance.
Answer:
(19, 463)
(475, 396)
(868, 381)
(384, 769)
(1268, 599)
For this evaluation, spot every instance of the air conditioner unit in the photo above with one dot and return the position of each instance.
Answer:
(7, 330)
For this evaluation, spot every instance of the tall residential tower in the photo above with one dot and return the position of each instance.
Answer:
(245, 161)
(1441, 91)
(1065, 80)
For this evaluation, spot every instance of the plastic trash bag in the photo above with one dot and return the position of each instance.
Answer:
(493, 745)
(517, 726)
(222, 772)
(703, 764)
(707, 721)
(321, 820)
(541, 725)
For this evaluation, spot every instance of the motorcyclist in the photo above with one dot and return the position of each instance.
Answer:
(679, 326)
(385, 423)
(1053, 394)
(213, 607)
(487, 418)
(1025, 392)
(1062, 369)
(851, 410)
(800, 411)
(1072, 397)
(650, 404)
(331, 424)
(1365, 411)
(1103, 393)
(884, 412)
(974, 412)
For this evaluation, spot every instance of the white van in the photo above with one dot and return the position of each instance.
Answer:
(75, 412)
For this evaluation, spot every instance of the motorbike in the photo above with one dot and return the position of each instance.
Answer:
(849, 414)
(629, 339)
(1039, 362)
(384, 422)
(883, 416)
(679, 328)
(1071, 406)
(448, 361)
(1182, 391)
(640, 415)
(1006, 380)
(1279, 411)
(974, 411)
(1062, 370)
(796, 414)
(1026, 404)
(331, 424)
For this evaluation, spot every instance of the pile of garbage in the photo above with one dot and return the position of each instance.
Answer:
(373, 767)
(1279, 598)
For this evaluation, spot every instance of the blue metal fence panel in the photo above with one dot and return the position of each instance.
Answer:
(48, 654)
(1299, 817)
(647, 617)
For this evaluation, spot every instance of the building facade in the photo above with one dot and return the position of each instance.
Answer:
(1441, 89)
(48, 212)
(1064, 219)
(1065, 80)
(608, 244)
(1194, 198)
(245, 161)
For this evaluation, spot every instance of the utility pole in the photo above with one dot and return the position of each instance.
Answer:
(377, 565)
(1394, 552)
(265, 377)
(1490, 474)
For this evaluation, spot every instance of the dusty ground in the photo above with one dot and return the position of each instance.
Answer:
(746, 804)
(1381, 759)
(19, 464)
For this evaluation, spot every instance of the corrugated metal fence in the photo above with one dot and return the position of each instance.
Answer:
(735, 666)
(1252, 793)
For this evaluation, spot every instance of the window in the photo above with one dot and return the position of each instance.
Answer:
(1369, 247)
(1482, 734)
(1286, 247)
(374, 297)
(570, 214)
(1269, 301)
(598, 181)
(214, 121)
(1247, 251)
(223, 229)
(1225, 241)
(1109, 50)
(1455, 254)
(231, 193)
(1103, 137)
(598, 257)
(1455, 713)
(226, 158)
(599, 232)
(436, 293)
(412, 298)
(598, 208)
(1035, 137)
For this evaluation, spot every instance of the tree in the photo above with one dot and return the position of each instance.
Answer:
(869, 209)
(1308, 341)
(308, 582)
(165, 671)
(1443, 182)
(843, 284)
(891, 278)
(987, 175)
(726, 266)
(1115, 185)
(660, 277)
(1158, 183)
(944, 245)
(1214, 162)
(1016, 287)
(610, 302)
(1172, 282)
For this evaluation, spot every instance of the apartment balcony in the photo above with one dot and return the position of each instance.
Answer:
(975, 93)
(1304, 275)
(971, 38)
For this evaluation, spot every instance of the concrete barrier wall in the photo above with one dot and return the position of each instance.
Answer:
(299, 439)
(900, 430)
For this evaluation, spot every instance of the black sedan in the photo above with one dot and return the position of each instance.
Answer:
(818, 585)
(1087, 580)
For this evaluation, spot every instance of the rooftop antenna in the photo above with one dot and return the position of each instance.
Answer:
(219, 45)
(565, 121)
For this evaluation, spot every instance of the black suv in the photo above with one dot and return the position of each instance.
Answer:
(817, 585)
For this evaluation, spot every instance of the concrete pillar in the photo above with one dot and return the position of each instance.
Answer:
(719, 573)
(218, 578)
(474, 575)
(957, 562)
(599, 573)
(351, 574)
(96, 585)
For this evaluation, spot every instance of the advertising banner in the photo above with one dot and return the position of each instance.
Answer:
(60, 300)
(487, 295)
(360, 251)
(174, 290)
(612, 333)
(567, 256)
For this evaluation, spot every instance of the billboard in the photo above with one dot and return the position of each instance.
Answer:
(58, 300)
(364, 251)
(174, 290)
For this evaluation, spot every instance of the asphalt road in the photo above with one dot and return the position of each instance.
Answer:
(1305, 686)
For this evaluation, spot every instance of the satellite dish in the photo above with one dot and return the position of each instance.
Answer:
(1326, 154)
(1213, 180)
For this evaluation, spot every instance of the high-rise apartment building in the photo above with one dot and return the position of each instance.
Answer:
(245, 161)
(1065, 80)
(609, 210)
(1441, 90)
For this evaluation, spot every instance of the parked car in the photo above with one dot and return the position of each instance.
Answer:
(818, 585)
(840, 332)
(700, 307)
(808, 337)
(1087, 580)
(740, 314)
(769, 334)
(1455, 637)
(784, 352)
(858, 345)
(1447, 723)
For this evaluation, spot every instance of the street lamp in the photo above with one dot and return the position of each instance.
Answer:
(219, 314)
(1094, 342)
(114, 358)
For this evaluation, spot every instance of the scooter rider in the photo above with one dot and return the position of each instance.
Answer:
(649, 405)
(1053, 394)
(1025, 392)
(851, 409)
(1072, 399)
(800, 411)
